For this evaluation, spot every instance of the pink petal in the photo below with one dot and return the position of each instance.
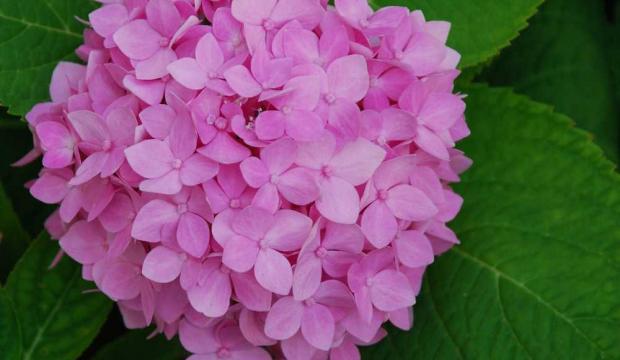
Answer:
(391, 291)
(398, 124)
(253, 223)
(49, 188)
(289, 230)
(339, 201)
(162, 265)
(89, 168)
(193, 234)
(197, 169)
(424, 54)
(254, 172)
(284, 318)
(379, 225)
(316, 154)
(58, 158)
(150, 158)
(224, 149)
(155, 66)
(151, 218)
(308, 12)
(84, 242)
(409, 203)
(413, 249)
(303, 125)
(280, 155)
(163, 16)
(307, 277)
(157, 120)
(267, 198)
(109, 18)
(343, 237)
(353, 10)
(252, 11)
(209, 54)
(249, 292)
(137, 40)
(270, 125)
(240, 253)
(121, 281)
(386, 20)
(151, 92)
(54, 135)
(348, 78)
(273, 271)
(114, 161)
(345, 118)
(242, 82)
(298, 186)
(89, 126)
(301, 45)
(169, 184)
(357, 161)
(212, 296)
(318, 326)
(442, 110)
(188, 73)
(121, 123)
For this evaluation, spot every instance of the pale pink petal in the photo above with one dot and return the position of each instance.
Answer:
(162, 265)
(301, 45)
(157, 120)
(49, 188)
(188, 73)
(254, 172)
(149, 91)
(304, 125)
(353, 11)
(224, 149)
(391, 291)
(307, 12)
(240, 253)
(267, 198)
(357, 161)
(339, 201)
(197, 169)
(343, 237)
(242, 82)
(425, 54)
(318, 326)
(398, 125)
(89, 126)
(211, 296)
(253, 223)
(298, 186)
(307, 277)
(273, 271)
(413, 249)
(348, 78)
(209, 54)
(252, 11)
(169, 184)
(441, 110)
(137, 40)
(289, 230)
(193, 234)
(150, 158)
(249, 292)
(297, 348)
(284, 318)
(84, 242)
(316, 154)
(345, 118)
(58, 158)
(386, 20)
(109, 18)
(409, 203)
(114, 161)
(155, 66)
(89, 168)
(151, 218)
(280, 155)
(270, 125)
(379, 224)
(346, 351)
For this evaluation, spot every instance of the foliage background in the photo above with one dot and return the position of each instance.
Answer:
(538, 273)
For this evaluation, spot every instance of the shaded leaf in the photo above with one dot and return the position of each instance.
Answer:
(135, 345)
(536, 276)
(563, 58)
(13, 239)
(34, 36)
(58, 320)
(480, 28)
(10, 336)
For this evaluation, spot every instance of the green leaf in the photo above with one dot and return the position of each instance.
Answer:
(13, 239)
(480, 28)
(34, 36)
(537, 274)
(10, 335)
(563, 58)
(135, 345)
(57, 318)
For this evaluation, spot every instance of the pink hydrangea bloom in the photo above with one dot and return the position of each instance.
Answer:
(271, 181)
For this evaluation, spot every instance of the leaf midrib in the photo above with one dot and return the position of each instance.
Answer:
(497, 272)
(59, 302)
(40, 26)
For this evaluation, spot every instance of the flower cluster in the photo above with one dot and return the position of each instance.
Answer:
(260, 177)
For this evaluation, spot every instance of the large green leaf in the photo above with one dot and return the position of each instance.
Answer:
(34, 36)
(135, 345)
(563, 58)
(13, 239)
(480, 28)
(10, 335)
(58, 320)
(538, 273)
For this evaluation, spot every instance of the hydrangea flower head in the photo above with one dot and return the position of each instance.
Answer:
(261, 178)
